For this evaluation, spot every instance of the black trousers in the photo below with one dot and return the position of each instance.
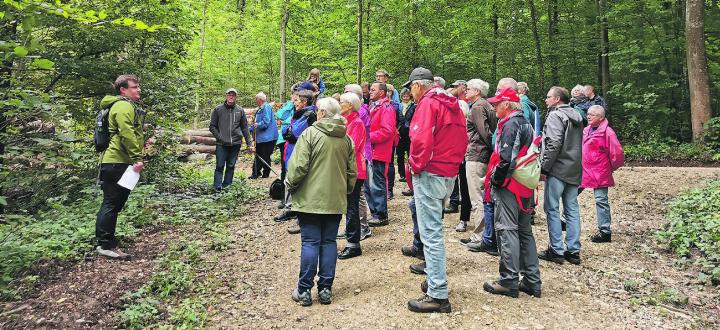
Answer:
(283, 168)
(403, 148)
(114, 199)
(262, 150)
(352, 218)
(460, 195)
(391, 173)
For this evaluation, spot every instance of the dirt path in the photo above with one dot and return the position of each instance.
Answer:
(372, 291)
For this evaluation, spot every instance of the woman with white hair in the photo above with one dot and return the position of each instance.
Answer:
(266, 134)
(321, 172)
(349, 105)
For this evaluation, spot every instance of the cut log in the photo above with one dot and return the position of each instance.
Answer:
(198, 132)
(197, 148)
(198, 157)
(204, 140)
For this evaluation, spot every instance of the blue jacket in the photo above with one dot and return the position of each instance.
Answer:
(321, 86)
(300, 121)
(531, 112)
(284, 115)
(265, 124)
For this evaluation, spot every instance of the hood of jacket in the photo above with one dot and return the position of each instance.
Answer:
(575, 118)
(109, 100)
(443, 97)
(331, 126)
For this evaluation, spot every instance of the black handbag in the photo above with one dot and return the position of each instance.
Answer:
(277, 189)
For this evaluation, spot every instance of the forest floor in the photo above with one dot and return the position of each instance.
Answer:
(632, 282)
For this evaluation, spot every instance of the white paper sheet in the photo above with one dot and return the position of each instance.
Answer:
(129, 179)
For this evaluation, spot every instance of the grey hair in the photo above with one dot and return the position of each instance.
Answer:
(507, 83)
(425, 83)
(261, 96)
(599, 108)
(578, 90)
(523, 88)
(513, 105)
(354, 88)
(352, 99)
(480, 85)
(330, 105)
(439, 81)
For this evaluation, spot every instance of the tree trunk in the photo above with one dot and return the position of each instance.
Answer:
(553, 31)
(367, 26)
(697, 67)
(604, 49)
(538, 46)
(283, 50)
(496, 43)
(359, 70)
(200, 63)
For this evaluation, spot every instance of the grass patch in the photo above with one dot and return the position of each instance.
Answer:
(693, 230)
(662, 150)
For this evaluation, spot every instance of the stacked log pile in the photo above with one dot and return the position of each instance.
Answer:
(200, 143)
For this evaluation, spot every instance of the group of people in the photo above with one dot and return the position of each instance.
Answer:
(338, 155)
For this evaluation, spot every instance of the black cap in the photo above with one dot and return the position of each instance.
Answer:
(419, 73)
(458, 82)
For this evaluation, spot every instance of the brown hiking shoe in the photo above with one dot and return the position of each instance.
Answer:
(496, 288)
(411, 251)
(427, 304)
(115, 253)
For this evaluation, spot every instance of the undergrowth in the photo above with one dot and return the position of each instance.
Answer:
(693, 231)
(661, 150)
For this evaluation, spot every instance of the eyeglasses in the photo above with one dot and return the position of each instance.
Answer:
(549, 96)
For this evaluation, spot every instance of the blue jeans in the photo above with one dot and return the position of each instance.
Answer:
(602, 209)
(376, 189)
(417, 242)
(430, 190)
(317, 233)
(489, 230)
(556, 189)
(225, 158)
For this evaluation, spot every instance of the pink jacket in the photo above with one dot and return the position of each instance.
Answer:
(356, 132)
(382, 129)
(438, 135)
(601, 155)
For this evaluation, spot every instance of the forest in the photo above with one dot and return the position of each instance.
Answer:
(656, 62)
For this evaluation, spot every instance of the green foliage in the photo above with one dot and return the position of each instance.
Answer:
(712, 134)
(694, 224)
(656, 149)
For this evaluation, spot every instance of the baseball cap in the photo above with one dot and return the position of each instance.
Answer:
(419, 73)
(231, 90)
(505, 94)
(458, 82)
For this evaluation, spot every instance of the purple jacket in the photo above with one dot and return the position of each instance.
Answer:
(365, 118)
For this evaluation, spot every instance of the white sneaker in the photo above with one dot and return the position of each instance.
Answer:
(461, 227)
(115, 253)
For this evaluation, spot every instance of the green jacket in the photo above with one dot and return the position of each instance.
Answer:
(322, 169)
(125, 126)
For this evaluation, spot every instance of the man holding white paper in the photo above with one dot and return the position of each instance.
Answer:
(125, 122)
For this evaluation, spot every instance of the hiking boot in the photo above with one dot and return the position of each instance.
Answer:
(482, 247)
(465, 241)
(407, 192)
(294, 229)
(525, 288)
(550, 255)
(418, 268)
(451, 209)
(601, 237)
(378, 222)
(424, 286)
(114, 253)
(349, 252)
(365, 232)
(285, 216)
(411, 251)
(461, 227)
(427, 304)
(303, 299)
(496, 288)
(573, 258)
(325, 296)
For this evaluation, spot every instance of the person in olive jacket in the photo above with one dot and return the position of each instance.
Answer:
(125, 121)
(228, 125)
(321, 173)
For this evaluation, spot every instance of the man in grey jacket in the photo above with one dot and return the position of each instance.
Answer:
(561, 163)
(229, 125)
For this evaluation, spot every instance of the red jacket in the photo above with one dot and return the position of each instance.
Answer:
(356, 132)
(438, 135)
(382, 130)
(601, 155)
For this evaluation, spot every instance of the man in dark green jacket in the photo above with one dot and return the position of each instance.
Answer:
(125, 122)
(229, 125)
